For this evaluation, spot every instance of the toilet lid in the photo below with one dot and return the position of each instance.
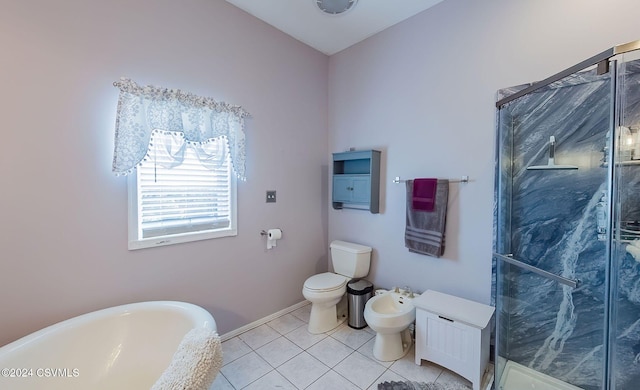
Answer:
(325, 282)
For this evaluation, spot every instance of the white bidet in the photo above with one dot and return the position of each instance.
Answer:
(389, 315)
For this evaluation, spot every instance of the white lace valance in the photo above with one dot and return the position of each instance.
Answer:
(141, 110)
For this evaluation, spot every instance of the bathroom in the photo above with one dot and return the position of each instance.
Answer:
(423, 92)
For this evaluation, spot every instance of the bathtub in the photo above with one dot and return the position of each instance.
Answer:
(124, 347)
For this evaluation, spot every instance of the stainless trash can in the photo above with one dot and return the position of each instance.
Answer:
(358, 293)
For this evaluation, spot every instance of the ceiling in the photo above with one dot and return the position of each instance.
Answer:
(332, 33)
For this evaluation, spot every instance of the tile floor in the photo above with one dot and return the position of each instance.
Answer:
(281, 354)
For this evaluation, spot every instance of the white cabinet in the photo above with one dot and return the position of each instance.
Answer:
(454, 333)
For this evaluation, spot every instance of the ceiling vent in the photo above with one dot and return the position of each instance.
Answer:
(335, 7)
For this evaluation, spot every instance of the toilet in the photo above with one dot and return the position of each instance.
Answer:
(389, 314)
(326, 290)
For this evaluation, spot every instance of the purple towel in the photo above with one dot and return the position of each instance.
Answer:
(424, 194)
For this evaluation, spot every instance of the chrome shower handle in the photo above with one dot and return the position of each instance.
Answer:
(552, 147)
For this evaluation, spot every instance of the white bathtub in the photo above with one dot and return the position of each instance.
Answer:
(123, 347)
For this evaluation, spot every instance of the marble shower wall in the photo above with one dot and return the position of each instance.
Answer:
(548, 219)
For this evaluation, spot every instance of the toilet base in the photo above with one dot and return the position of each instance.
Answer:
(392, 346)
(325, 318)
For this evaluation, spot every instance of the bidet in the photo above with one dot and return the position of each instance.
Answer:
(389, 315)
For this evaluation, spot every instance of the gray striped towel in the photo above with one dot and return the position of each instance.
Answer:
(424, 231)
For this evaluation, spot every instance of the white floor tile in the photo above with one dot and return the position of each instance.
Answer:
(359, 370)
(332, 381)
(303, 370)
(406, 367)
(367, 350)
(257, 337)
(373, 332)
(330, 351)
(303, 339)
(354, 338)
(245, 370)
(221, 383)
(448, 376)
(233, 349)
(303, 313)
(334, 330)
(286, 323)
(278, 351)
(272, 380)
(284, 355)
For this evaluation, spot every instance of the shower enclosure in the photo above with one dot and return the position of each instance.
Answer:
(567, 228)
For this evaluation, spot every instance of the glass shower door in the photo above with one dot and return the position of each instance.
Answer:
(519, 365)
(624, 355)
(552, 233)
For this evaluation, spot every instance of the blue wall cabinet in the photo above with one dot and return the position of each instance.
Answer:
(356, 180)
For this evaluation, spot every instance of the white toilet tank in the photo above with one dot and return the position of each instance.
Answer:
(351, 260)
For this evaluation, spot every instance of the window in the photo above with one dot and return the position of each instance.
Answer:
(183, 154)
(171, 203)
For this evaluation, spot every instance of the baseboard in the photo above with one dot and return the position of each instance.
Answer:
(262, 321)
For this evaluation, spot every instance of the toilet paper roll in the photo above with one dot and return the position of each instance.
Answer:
(274, 234)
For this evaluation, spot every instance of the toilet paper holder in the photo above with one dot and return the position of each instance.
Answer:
(264, 232)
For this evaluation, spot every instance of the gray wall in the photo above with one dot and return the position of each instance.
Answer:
(63, 237)
(423, 92)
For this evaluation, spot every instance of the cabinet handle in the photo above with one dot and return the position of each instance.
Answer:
(446, 319)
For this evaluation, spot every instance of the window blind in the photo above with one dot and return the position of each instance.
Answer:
(184, 199)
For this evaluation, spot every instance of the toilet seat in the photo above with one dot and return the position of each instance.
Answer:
(325, 282)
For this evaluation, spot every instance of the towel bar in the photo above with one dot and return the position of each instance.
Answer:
(463, 179)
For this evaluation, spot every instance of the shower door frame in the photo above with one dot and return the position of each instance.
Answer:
(605, 64)
(600, 59)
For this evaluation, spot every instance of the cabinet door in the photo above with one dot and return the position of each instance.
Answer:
(342, 189)
(361, 189)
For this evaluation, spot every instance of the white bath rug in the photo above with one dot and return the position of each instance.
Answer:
(195, 364)
(409, 385)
